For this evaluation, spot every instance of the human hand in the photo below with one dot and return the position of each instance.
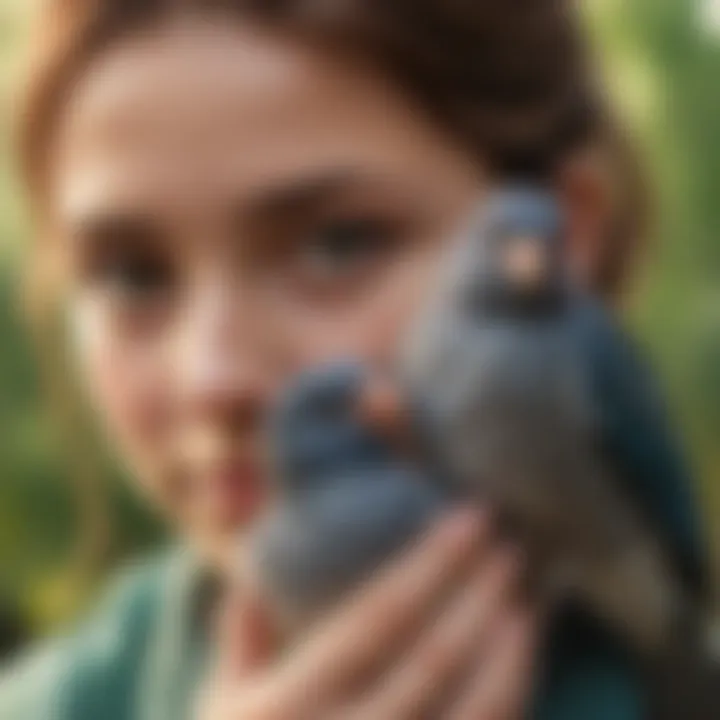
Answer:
(441, 631)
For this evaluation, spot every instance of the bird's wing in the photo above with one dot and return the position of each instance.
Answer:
(637, 436)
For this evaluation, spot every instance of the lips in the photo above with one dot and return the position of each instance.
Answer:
(226, 475)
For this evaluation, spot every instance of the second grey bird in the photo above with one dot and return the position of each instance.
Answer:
(347, 500)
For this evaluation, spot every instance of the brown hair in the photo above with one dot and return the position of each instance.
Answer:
(509, 78)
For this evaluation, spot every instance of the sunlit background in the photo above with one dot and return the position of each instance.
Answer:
(663, 62)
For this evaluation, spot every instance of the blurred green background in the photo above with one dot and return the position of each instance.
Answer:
(663, 63)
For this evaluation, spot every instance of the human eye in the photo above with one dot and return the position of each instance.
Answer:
(134, 277)
(127, 270)
(125, 262)
(341, 251)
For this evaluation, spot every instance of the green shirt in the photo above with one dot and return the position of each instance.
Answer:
(141, 657)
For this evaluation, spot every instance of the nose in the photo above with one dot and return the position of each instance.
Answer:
(225, 366)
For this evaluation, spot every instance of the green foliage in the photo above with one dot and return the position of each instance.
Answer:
(664, 68)
(679, 312)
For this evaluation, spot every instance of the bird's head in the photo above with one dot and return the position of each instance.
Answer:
(514, 259)
(317, 433)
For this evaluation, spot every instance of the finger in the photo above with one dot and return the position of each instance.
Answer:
(371, 626)
(422, 677)
(502, 684)
(244, 635)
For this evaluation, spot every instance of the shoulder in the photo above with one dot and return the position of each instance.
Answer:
(587, 674)
(90, 671)
(594, 689)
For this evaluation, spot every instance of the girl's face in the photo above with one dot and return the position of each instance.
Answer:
(232, 206)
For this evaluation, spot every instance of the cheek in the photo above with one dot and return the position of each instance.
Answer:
(125, 383)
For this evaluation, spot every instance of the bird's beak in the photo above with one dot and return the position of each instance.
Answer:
(525, 263)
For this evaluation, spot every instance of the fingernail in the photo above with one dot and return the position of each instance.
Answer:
(464, 525)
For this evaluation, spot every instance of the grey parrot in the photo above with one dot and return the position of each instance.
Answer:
(347, 500)
(531, 397)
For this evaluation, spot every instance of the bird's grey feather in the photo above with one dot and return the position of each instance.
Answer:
(509, 406)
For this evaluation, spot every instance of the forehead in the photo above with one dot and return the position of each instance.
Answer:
(192, 108)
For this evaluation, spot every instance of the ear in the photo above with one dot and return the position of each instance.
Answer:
(584, 188)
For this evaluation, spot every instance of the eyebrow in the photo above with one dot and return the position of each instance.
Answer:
(286, 197)
(105, 227)
(294, 195)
